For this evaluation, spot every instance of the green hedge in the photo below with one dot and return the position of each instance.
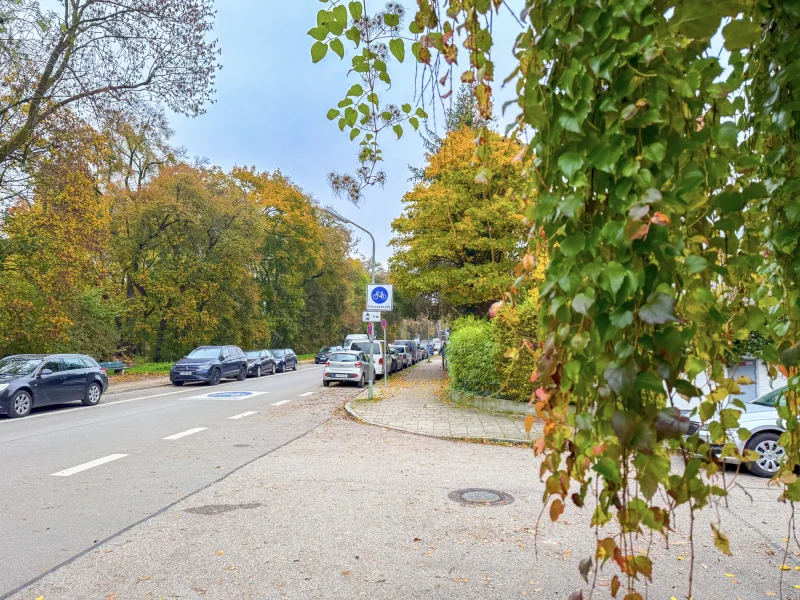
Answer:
(488, 357)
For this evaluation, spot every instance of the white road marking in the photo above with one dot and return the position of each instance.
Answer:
(244, 414)
(281, 402)
(185, 433)
(89, 465)
(306, 394)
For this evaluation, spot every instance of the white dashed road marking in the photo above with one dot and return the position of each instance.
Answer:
(185, 433)
(281, 402)
(244, 414)
(306, 394)
(89, 465)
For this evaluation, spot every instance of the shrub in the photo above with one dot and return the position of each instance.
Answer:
(514, 362)
(470, 356)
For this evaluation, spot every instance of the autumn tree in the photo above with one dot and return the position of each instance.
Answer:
(93, 56)
(457, 238)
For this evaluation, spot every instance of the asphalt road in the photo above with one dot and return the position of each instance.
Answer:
(73, 476)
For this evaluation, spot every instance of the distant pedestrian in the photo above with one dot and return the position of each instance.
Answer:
(443, 352)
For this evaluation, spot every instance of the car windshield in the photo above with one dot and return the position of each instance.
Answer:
(18, 365)
(253, 353)
(344, 357)
(279, 353)
(364, 347)
(326, 349)
(208, 353)
(772, 398)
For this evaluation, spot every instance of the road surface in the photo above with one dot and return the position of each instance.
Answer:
(74, 476)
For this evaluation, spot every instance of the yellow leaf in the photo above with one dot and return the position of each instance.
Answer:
(785, 568)
(681, 558)
(729, 575)
(220, 552)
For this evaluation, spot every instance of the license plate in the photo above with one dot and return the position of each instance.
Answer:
(185, 373)
(339, 375)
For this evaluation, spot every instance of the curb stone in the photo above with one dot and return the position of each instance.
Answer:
(451, 438)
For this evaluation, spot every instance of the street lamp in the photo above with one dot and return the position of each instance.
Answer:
(371, 361)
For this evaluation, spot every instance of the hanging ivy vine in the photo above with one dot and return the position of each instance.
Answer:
(669, 206)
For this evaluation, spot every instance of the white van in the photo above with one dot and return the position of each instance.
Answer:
(355, 337)
(378, 353)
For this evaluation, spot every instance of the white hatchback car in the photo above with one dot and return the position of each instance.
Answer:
(346, 367)
(761, 419)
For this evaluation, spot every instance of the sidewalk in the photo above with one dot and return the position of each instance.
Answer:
(413, 403)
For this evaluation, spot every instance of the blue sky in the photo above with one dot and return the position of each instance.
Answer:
(271, 103)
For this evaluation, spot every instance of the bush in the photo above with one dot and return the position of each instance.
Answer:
(470, 357)
(514, 362)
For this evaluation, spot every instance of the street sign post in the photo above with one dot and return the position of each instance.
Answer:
(387, 364)
(370, 316)
(380, 296)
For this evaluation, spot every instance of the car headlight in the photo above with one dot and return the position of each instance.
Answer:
(3, 386)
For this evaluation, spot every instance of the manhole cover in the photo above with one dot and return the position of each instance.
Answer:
(216, 509)
(480, 497)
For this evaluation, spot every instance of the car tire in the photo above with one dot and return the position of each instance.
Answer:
(93, 394)
(242, 373)
(294, 368)
(178, 383)
(216, 375)
(21, 404)
(361, 382)
(326, 383)
(772, 453)
(258, 371)
(273, 369)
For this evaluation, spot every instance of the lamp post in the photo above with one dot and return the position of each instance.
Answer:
(371, 361)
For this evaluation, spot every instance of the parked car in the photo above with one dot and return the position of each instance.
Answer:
(377, 354)
(394, 359)
(437, 344)
(209, 364)
(761, 419)
(354, 337)
(285, 359)
(412, 347)
(33, 380)
(325, 352)
(260, 362)
(346, 367)
(405, 355)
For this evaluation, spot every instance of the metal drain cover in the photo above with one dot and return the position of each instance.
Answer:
(480, 497)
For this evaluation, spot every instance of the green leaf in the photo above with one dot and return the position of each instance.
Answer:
(695, 264)
(658, 309)
(340, 13)
(647, 380)
(398, 130)
(318, 51)
(570, 123)
(356, 90)
(354, 133)
(570, 163)
(414, 123)
(354, 35)
(583, 301)
(608, 468)
(741, 34)
(386, 115)
(613, 276)
(721, 541)
(332, 114)
(406, 108)
(573, 244)
(337, 47)
(318, 33)
(397, 49)
(621, 318)
(356, 10)
(620, 377)
(727, 135)
(391, 19)
(655, 152)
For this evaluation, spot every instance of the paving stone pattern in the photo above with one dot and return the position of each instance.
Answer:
(412, 403)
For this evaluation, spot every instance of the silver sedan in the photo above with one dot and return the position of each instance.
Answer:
(346, 367)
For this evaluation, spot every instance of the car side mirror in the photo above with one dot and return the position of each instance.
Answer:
(221, 357)
(45, 372)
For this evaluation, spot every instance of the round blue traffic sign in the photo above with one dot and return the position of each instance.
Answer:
(229, 394)
(380, 295)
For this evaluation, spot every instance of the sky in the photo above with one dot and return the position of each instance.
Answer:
(271, 101)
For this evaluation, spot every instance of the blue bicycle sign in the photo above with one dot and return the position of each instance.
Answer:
(379, 297)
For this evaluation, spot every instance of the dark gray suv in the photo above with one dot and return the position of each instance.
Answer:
(209, 364)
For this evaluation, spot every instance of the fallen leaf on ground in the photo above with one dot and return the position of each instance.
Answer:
(347, 572)
(220, 552)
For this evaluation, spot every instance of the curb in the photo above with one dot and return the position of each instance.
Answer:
(111, 390)
(451, 438)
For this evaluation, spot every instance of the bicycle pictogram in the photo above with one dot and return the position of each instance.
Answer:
(380, 295)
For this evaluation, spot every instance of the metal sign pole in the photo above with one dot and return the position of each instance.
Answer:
(386, 365)
(371, 362)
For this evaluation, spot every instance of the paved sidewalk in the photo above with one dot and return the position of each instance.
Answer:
(413, 403)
